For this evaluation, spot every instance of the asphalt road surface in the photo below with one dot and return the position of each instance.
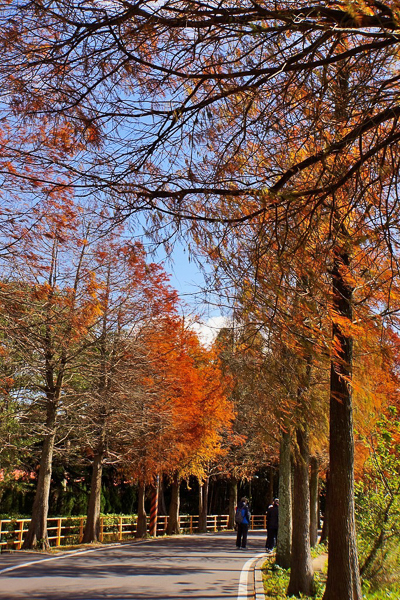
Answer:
(199, 567)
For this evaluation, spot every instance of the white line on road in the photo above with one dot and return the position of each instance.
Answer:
(64, 555)
(243, 592)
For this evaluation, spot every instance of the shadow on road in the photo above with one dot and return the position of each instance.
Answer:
(197, 567)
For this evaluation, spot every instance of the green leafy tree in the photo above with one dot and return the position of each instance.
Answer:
(378, 505)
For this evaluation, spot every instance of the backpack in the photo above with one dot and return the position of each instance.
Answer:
(239, 515)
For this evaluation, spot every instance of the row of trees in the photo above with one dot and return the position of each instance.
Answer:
(98, 364)
(99, 368)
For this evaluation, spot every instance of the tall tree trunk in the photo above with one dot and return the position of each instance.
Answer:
(200, 499)
(301, 571)
(173, 518)
(325, 524)
(141, 528)
(271, 472)
(284, 542)
(203, 504)
(211, 497)
(343, 582)
(161, 500)
(233, 491)
(92, 527)
(37, 536)
(314, 501)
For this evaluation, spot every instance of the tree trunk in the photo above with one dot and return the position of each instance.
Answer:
(92, 528)
(37, 536)
(314, 503)
(271, 485)
(141, 528)
(301, 572)
(203, 504)
(233, 490)
(200, 499)
(284, 542)
(343, 582)
(173, 518)
(161, 500)
(325, 524)
(211, 497)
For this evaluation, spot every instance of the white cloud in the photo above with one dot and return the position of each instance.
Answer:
(208, 331)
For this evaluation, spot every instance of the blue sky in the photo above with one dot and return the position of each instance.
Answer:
(188, 279)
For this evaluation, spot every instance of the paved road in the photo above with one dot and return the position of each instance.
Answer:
(198, 567)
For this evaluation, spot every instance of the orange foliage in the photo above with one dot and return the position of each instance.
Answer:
(188, 399)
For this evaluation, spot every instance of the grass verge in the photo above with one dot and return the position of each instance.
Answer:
(276, 581)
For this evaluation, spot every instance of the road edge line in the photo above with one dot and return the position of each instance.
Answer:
(65, 555)
(243, 593)
(259, 593)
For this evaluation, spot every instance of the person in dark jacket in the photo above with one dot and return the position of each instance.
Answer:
(272, 525)
(243, 526)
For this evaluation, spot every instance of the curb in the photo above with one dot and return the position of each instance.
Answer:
(259, 593)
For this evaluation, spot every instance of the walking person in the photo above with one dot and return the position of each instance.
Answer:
(242, 519)
(272, 525)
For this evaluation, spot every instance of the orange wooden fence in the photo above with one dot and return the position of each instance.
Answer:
(64, 531)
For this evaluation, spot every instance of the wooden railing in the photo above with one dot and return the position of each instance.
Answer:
(64, 531)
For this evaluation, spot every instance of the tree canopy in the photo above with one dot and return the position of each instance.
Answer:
(267, 132)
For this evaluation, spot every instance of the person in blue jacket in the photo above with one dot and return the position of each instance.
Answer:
(243, 521)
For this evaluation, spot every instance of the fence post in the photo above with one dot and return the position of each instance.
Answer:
(191, 524)
(120, 528)
(80, 530)
(134, 524)
(215, 523)
(20, 534)
(101, 535)
(58, 540)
